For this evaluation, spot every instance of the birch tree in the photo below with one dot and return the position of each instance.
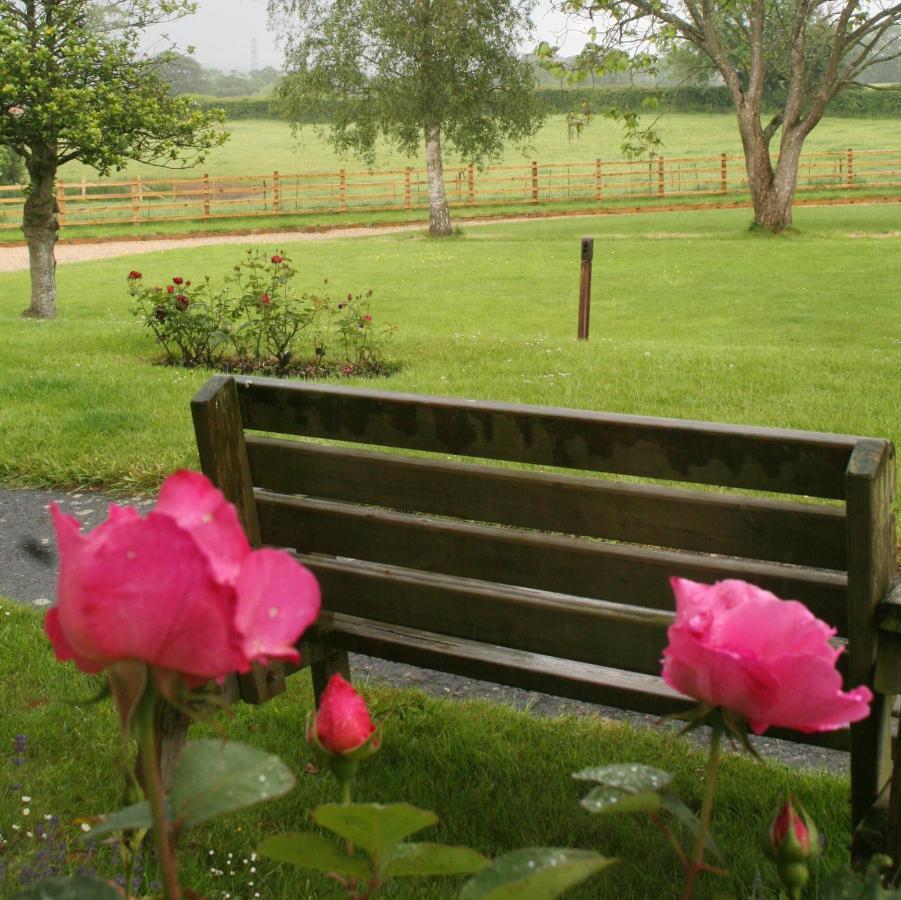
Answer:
(420, 73)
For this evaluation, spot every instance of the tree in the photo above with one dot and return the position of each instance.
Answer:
(74, 86)
(783, 61)
(11, 169)
(411, 71)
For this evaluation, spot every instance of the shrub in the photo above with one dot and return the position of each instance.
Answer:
(258, 322)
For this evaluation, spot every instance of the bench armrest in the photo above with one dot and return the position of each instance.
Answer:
(888, 660)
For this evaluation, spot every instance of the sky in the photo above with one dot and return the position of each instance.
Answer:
(223, 31)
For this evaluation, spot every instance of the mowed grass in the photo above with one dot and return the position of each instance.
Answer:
(261, 146)
(692, 317)
(497, 778)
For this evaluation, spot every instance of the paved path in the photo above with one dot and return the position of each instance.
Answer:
(28, 568)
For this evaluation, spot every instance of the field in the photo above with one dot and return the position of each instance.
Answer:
(692, 317)
(257, 147)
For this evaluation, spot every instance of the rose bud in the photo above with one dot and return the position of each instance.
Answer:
(792, 841)
(342, 731)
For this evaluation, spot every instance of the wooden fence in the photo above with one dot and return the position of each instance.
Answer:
(530, 183)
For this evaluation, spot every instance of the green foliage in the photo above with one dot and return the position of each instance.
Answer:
(398, 68)
(534, 874)
(380, 831)
(261, 320)
(86, 93)
(860, 886)
(12, 167)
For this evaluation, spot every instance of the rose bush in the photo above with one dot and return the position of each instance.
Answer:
(736, 646)
(180, 590)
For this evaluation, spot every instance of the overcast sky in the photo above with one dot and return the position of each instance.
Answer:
(223, 33)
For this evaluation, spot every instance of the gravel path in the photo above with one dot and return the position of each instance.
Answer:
(28, 567)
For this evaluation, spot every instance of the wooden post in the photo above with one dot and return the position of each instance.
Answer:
(84, 187)
(407, 200)
(598, 180)
(206, 196)
(135, 202)
(585, 288)
(870, 491)
(850, 173)
(534, 181)
(660, 177)
(724, 178)
(276, 192)
(471, 179)
(61, 202)
(342, 191)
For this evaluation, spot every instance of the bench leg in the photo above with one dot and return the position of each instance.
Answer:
(323, 669)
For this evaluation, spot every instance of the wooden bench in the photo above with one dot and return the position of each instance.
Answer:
(549, 580)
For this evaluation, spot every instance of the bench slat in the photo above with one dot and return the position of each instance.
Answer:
(518, 668)
(616, 572)
(576, 628)
(794, 462)
(749, 527)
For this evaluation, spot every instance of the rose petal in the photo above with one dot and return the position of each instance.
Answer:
(278, 599)
(191, 499)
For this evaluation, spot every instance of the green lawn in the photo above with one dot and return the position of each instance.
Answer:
(498, 779)
(692, 317)
(257, 147)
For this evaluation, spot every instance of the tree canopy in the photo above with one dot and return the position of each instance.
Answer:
(783, 62)
(74, 85)
(409, 70)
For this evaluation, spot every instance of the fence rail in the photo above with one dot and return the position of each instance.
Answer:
(205, 197)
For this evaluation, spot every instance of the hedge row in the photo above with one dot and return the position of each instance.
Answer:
(854, 102)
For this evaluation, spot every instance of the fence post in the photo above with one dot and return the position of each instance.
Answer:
(660, 177)
(598, 180)
(342, 191)
(135, 202)
(61, 202)
(206, 195)
(276, 192)
(471, 179)
(585, 288)
(724, 177)
(407, 200)
(534, 181)
(84, 187)
(850, 167)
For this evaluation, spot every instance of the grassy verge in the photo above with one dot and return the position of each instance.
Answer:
(692, 317)
(498, 778)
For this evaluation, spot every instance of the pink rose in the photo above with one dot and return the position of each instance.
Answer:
(770, 660)
(343, 722)
(180, 590)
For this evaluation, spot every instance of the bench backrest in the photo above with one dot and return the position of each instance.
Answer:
(604, 549)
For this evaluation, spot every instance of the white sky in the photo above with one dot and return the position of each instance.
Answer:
(222, 32)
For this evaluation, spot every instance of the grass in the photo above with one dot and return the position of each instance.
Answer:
(498, 779)
(259, 146)
(692, 317)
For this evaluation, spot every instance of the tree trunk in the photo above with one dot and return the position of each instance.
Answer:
(772, 190)
(439, 213)
(40, 224)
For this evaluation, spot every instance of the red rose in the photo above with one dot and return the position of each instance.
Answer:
(277, 259)
(134, 276)
(170, 288)
(343, 722)
(182, 301)
(265, 299)
(160, 313)
(367, 318)
(178, 281)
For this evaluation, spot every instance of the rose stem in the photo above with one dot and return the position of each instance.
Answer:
(153, 787)
(710, 770)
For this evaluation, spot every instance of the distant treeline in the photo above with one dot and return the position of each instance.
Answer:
(857, 102)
